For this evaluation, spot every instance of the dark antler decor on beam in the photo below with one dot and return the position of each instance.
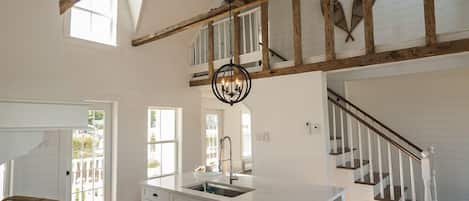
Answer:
(357, 17)
(64, 5)
(212, 15)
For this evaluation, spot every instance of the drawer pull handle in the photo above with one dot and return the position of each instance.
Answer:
(155, 195)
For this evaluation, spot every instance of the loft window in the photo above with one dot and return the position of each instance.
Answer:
(94, 20)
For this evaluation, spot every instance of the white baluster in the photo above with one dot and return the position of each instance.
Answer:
(205, 45)
(350, 134)
(244, 35)
(401, 175)
(380, 165)
(225, 35)
(334, 129)
(370, 156)
(251, 32)
(342, 132)
(220, 42)
(391, 180)
(412, 179)
(200, 47)
(362, 173)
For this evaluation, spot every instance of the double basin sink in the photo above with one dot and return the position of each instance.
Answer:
(220, 189)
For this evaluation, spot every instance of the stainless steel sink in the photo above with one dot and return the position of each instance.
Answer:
(220, 189)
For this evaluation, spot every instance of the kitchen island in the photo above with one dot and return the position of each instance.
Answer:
(181, 188)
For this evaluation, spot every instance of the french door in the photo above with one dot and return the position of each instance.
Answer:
(213, 127)
(89, 173)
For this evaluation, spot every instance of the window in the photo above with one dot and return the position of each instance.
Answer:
(162, 142)
(90, 159)
(94, 20)
(246, 135)
(2, 181)
(212, 136)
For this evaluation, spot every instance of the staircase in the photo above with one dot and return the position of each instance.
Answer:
(374, 162)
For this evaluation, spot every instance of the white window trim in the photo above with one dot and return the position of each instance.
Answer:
(177, 137)
(67, 29)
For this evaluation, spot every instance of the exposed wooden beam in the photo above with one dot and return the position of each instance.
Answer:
(236, 39)
(368, 24)
(298, 50)
(443, 48)
(328, 9)
(210, 49)
(265, 36)
(430, 23)
(212, 15)
(64, 5)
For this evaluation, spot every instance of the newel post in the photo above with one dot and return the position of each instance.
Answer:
(429, 175)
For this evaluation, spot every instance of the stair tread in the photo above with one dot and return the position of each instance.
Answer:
(387, 194)
(348, 164)
(339, 151)
(367, 179)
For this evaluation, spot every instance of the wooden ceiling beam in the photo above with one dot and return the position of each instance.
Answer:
(64, 5)
(212, 15)
(328, 8)
(442, 48)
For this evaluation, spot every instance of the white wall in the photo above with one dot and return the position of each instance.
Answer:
(38, 62)
(429, 109)
(281, 106)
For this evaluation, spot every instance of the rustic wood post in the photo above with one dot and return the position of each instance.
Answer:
(430, 24)
(368, 22)
(265, 36)
(296, 8)
(210, 50)
(329, 29)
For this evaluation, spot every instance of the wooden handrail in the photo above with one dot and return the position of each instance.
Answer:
(405, 150)
(375, 120)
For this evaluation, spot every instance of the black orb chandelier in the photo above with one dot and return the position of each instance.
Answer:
(231, 83)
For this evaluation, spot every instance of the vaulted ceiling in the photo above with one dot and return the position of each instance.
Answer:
(151, 15)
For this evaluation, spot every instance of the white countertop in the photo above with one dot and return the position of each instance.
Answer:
(265, 189)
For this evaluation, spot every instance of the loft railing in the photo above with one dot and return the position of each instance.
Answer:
(396, 159)
(250, 27)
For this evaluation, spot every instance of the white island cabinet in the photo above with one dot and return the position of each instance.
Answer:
(175, 188)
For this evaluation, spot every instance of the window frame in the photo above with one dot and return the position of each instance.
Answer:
(114, 18)
(177, 116)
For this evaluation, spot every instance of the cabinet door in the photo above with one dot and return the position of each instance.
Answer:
(184, 198)
(150, 194)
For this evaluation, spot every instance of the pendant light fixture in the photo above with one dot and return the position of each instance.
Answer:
(231, 83)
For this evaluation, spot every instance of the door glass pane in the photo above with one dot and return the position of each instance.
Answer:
(88, 159)
(169, 158)
(247, 139)
(2, 181)
(212, 134)
(154, 160)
